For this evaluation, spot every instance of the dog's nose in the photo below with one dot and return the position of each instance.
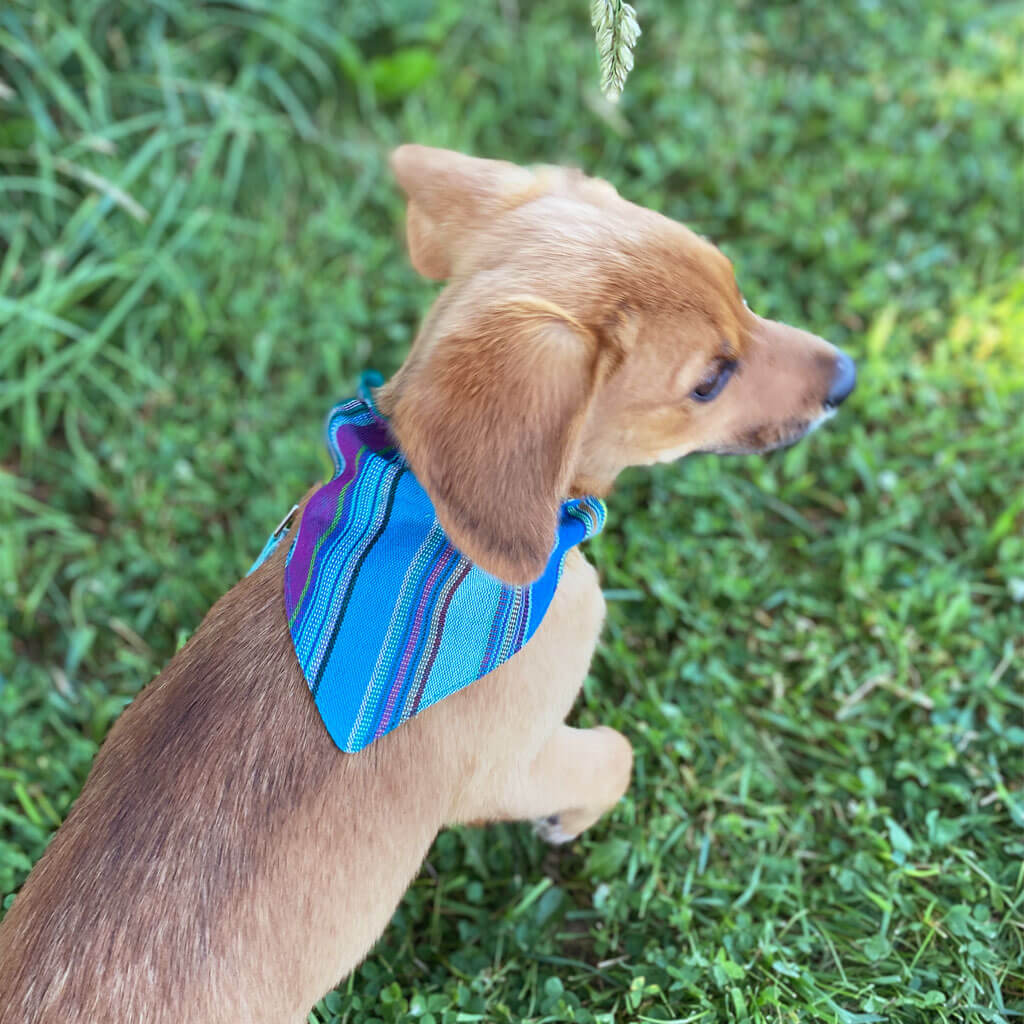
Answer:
(844, 380)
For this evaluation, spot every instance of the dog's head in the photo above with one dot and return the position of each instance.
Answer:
(578, 334)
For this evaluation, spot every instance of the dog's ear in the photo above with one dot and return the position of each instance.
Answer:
(489, 418)
(448, 195)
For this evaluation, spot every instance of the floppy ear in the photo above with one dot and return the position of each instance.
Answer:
(448, 195)
(489, 419)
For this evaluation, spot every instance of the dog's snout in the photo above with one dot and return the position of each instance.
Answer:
(844, 380)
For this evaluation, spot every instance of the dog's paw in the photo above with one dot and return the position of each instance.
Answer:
(551, 831)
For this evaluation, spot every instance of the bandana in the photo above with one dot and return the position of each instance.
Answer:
(385, 615)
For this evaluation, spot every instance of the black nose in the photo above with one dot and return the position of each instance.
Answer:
(844, 380)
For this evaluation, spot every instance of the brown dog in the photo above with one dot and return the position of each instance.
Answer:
(578, 334)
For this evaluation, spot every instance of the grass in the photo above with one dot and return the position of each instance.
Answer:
(817, 655)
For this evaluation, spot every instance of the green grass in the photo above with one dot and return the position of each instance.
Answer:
(818, 655)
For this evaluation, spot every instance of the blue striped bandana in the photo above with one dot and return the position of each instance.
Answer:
(386, 616)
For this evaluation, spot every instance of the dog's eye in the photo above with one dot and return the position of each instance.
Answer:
(715, 378)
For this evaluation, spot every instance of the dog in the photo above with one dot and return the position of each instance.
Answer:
(578, 334)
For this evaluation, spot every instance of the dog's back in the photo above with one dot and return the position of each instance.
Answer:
(181, 774)
(200, 821)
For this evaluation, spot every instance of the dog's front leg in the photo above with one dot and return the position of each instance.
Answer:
(578, 776)
(516, 758)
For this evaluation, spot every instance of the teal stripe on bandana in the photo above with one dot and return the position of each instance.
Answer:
(386, 616)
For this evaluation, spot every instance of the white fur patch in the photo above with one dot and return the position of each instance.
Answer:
(550, 830)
